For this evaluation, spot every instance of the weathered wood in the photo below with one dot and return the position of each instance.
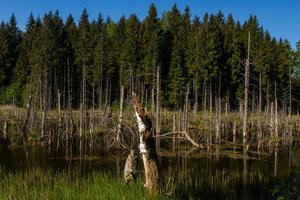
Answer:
(245, 116)
(147, 146)
(130, 170)
(195, 108)
(120, 114)
(5, 130)
(186, 110)
(157, 126)
(234, 132)
(25, 123)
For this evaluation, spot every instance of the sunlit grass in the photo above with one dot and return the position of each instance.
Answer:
(41, 184)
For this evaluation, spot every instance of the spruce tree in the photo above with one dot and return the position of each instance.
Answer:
(3, 53)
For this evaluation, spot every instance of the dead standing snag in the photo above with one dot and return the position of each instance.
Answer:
(147, 146)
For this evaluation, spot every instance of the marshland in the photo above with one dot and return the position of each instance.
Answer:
(170, 106)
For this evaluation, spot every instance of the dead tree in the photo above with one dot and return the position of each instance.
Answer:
(25, 123)
(147, 146)
(245, 117)
(157, 105)
(130, 170)
(120, 115)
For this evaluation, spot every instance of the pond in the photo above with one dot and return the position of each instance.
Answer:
(188, 173)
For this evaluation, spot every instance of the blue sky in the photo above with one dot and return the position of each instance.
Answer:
(280, 17)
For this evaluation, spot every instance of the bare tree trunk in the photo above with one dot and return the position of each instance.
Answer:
(92, 126)
(290, 93)
(290, 102)
(44, 107)
(43, 122)
(27, 114)
(131, 90)
(219, 109)
(5, 130)
(275, 161)
(147, 147)
(253, 101)
(272, 118)
(245, 119)
(210, 99)
(227, 104)
(204, 102)
(82, 111)
(234, 132)
(186, 109)
(69, 84)
(276, 113)
(130, 170)
(157, 106)
(260, 95)
(241, 107)
(174, 129)
(120, 115)
(109, 93)
(153, 99)
(59, 118)
(268, 98)
(101, 77)
(196, 96)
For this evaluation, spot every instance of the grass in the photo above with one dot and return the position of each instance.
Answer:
(46, 184)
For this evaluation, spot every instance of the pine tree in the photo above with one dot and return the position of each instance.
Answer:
(130, 53)
(234, 61)
(150, 42)
(99, 58)
(112, 46)
(14, 38)
(21, 73)
(3, 53)
(83, 52)
(179, 26)
(73, 71)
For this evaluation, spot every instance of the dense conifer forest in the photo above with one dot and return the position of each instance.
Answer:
(201, 58)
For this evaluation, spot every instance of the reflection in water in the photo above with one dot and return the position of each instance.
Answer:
(194, 174)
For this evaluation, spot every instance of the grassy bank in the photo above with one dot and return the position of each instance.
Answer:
(40, 184)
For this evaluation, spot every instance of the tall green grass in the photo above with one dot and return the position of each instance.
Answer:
(46, 184)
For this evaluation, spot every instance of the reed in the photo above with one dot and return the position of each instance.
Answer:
(48, 184)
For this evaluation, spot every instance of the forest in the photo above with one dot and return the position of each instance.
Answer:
(88, 62)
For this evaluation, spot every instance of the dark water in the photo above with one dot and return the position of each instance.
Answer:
(189, 173)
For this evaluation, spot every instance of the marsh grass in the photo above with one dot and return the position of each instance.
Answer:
(46, 184)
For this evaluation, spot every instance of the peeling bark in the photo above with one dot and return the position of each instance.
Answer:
(147, 146)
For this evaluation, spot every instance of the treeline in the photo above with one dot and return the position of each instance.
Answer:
(199, 59)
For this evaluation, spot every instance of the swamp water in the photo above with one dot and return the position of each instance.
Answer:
(188, 174)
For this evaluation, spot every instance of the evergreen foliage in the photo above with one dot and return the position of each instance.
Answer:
(207, 53)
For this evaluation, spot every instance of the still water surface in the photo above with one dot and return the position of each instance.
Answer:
(190, 174)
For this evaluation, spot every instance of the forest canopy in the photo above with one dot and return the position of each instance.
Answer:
(90, 60)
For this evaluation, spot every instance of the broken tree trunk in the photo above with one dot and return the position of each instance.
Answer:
(130, 170)
(147, 146)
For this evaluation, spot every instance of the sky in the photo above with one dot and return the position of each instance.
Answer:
(280, 17)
